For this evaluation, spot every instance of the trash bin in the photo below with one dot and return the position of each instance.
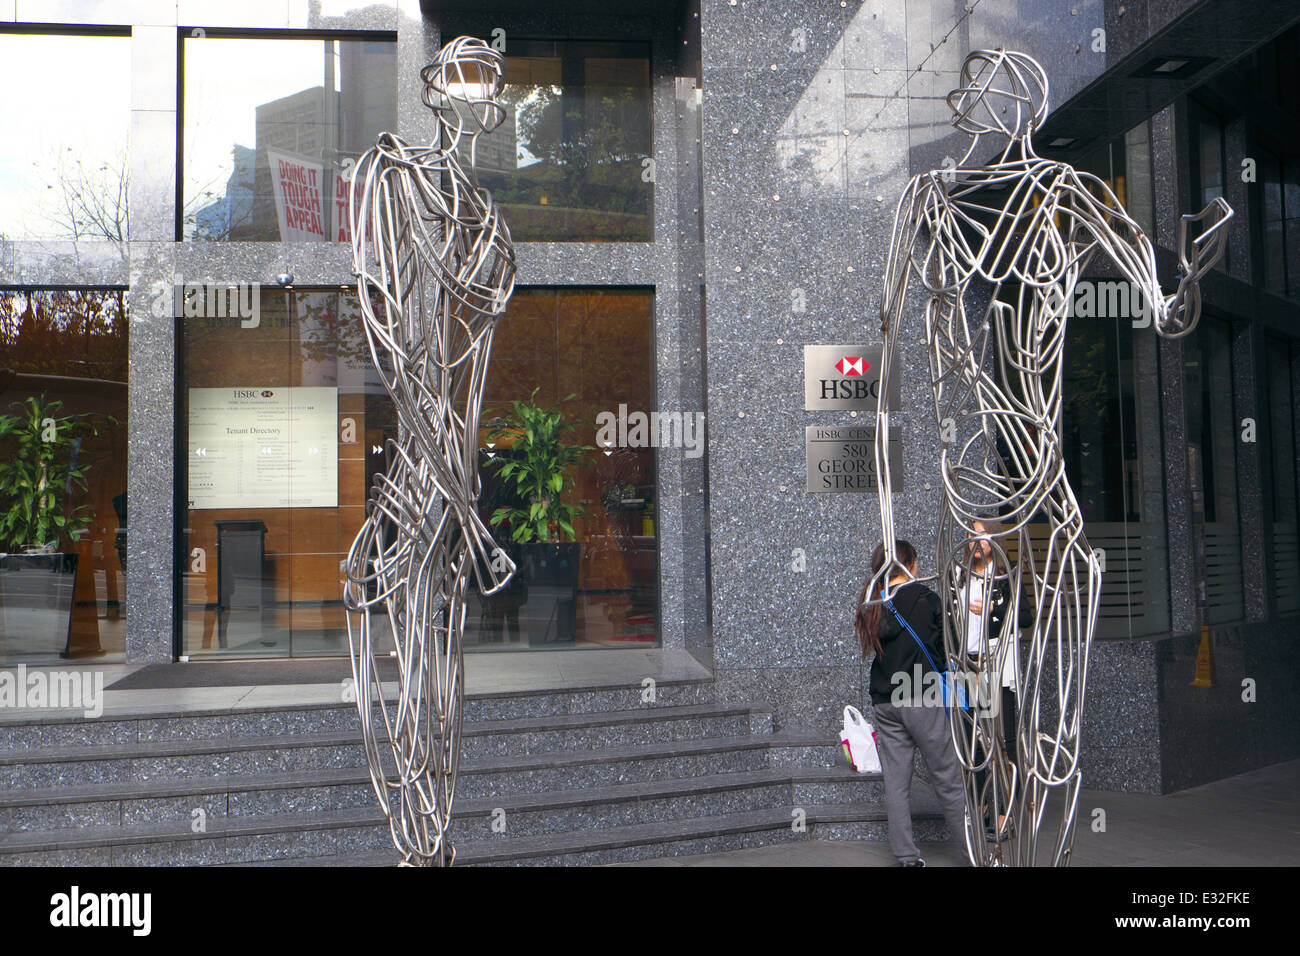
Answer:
(241, 554)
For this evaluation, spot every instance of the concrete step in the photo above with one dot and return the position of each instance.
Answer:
(334, 836)
(136, 762)
(62, 729)
(77, 809)
(170, 838)
(733, 831)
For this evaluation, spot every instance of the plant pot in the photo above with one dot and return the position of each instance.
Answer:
(550, 572)
(36, 592)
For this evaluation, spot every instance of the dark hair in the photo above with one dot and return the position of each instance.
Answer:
(866, 622)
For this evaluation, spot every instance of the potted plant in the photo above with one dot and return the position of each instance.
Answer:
(38, 483)
(535, 453)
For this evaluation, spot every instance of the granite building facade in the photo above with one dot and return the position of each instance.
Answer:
(700, 190)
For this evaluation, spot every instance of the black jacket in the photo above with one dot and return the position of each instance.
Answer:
(899, 653)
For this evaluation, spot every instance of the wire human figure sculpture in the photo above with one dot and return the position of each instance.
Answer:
(998, 249)
(435, 268)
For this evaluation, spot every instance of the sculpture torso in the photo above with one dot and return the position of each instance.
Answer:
(438, 261)
(995, 255)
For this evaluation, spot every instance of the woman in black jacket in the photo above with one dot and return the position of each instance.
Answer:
(906, 699)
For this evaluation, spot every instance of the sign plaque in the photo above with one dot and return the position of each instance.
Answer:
(841, 377)
(843, 458)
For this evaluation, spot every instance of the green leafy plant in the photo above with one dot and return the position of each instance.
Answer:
(38, 484)
(538, 463)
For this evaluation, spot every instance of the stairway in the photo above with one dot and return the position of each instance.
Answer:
(580, 777)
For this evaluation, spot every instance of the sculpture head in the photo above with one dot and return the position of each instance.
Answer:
(463, 83)
(1001, 92)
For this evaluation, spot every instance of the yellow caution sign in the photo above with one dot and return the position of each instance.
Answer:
(1204, 668)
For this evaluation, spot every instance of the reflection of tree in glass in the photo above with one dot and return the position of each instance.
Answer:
(589, 143)
(335, 329)
(86, 202)
(71, 348)
(238, 209)
(73, 334)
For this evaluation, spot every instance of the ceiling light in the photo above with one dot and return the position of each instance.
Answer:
(1172, 67)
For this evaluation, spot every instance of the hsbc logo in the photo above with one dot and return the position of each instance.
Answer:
(844, 377)
(852, 365)
(267, 393)
(859, 390)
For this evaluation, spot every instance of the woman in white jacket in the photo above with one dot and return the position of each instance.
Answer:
(986, 594)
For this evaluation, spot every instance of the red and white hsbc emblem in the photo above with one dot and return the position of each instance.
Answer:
(852, 365)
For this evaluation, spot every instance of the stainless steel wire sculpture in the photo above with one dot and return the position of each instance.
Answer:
(435, 268)
(998, 249)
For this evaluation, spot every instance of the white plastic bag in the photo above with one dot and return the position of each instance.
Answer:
(858, 738)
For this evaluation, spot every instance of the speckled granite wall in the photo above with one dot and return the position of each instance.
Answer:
(1207, 733)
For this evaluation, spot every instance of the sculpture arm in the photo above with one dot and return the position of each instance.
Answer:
(907, 225)
(1099, 212)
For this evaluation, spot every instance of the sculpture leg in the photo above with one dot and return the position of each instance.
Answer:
(1067, 584)
(989, 776)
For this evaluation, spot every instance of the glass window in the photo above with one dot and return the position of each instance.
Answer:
(1270, 175)
(1212, 435)
(595, 346)
(572, 160)
(286, 425)
(1291, 225)
(1137, 165)
(1208, 165)
(1280, 471)
(1125, 165)
(269, 127)
(1111, 439)
(1210, 143)
(67, 111)
(63, 440)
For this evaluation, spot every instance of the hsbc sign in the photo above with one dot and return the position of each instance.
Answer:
(844, 458)
(840, 377)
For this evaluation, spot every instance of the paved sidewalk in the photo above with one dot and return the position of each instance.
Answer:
(1249, 820)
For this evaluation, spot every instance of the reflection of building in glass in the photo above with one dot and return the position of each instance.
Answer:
(299, 123)
(321, 126)
(234, 210)
(573, 162)
(498, 153)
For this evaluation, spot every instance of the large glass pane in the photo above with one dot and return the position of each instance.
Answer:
(1291, 212)
(1137, 159)
(66, 102)
(1210, 170)
(598, 587)
(1111, 439)
(572, 160)
(63, 438)
(285, 426)
(1280, 470)
(1270, 175)
(1211, 158)
(270, 127)
(1212, 462)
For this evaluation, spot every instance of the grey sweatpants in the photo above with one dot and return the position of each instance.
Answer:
(900, 731)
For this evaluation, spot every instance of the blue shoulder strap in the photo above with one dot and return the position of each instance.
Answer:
(903, 621)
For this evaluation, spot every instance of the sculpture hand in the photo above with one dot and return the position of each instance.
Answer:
(1183, 308)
